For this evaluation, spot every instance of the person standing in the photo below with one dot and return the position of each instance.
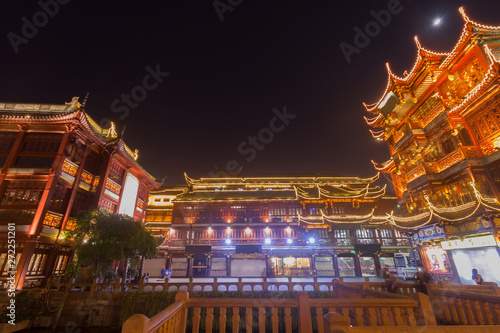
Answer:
(477, 277)
(163, 272)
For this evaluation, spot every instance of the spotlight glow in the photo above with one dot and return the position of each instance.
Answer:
(228, 241)
(437, 22)
(289, 241)
(267, 241)
(312, 240)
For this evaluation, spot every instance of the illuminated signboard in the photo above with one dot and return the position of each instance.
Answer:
(129, 196)
(469, 243)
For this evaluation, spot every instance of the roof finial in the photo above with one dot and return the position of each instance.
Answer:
(73, 105)
(464, 15)
(85, 100)
(417, 42)
(388, 68)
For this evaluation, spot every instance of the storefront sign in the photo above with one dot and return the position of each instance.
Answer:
(469, 243)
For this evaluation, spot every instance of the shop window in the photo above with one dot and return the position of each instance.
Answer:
(346, 266)
(324, 264)
(367, 266)
(387, 262)
(290, 266)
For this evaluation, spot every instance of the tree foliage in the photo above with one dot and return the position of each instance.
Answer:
(101, 237)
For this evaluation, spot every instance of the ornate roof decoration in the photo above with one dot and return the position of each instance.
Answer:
(385, 166)
(69, 113)
(441, 60)
(432, 214)
(277, 182)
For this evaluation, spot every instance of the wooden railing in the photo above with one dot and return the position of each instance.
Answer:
(204, 284)
(277, 315)
(373, 289)
(235, 284)
(491, 289)
(172, 319)
(458, 307)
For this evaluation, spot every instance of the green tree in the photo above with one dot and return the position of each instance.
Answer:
(101, 237)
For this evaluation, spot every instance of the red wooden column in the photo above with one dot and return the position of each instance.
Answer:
(75, 187)
(36, 226)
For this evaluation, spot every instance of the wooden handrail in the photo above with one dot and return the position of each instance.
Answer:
(158, 320)
(467, 294)
(243, 302)
(452, 306)
(403, 311)
(172, 319)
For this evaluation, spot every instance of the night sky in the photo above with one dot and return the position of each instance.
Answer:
(225, 77)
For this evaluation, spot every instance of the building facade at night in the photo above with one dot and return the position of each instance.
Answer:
(55, 161)
(441, 121)
(160, 208)
(280, 227)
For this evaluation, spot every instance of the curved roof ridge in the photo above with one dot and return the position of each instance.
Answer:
(372, 107)
(474, 23)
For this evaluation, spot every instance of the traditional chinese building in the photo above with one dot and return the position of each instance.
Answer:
(281, 226)
(160, 207)
(441, 121)
(55, 161)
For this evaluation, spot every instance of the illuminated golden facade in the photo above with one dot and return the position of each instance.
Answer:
(441, 121)
(279, 226)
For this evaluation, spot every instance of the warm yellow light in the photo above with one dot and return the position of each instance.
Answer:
(228, 220)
